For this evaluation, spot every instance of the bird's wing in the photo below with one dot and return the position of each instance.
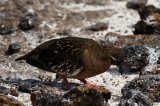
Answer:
(63, 57)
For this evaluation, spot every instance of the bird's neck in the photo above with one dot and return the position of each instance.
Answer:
(105, 54)
(101, 53)
(94, 60)
(98, 54)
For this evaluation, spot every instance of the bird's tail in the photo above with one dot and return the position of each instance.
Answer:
(20, 58)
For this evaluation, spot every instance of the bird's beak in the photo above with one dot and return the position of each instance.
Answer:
(113, 58)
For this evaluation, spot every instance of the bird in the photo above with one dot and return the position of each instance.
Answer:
(74, 57)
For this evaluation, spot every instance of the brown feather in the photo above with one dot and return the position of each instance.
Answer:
(72, 57)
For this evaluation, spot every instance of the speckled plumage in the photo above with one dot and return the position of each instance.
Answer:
(73, 57)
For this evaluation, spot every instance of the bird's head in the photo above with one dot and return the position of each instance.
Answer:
(117, 57)
(115, 54)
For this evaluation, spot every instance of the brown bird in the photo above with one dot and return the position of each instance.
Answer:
(74, 57)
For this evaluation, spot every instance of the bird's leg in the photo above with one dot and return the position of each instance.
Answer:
(88, 83)
(66, 83)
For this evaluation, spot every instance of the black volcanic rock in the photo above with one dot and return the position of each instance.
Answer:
(143, 27)
(85, 95)
(149, 85)
(136, 57)
(148, 10)
(135, 98)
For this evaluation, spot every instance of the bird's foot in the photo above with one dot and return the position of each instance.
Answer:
(67, 85)
(88, 83)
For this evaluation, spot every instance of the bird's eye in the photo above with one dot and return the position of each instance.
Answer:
(119, 60)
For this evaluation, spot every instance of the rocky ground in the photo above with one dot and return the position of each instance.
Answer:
(133, 26)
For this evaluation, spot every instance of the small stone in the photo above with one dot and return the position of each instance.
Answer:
(6, 27)
(13, 48)
(28, 22)
(49, 79)
(86, 2)
(136, 4)
(45, 78)
(14, 92)
(94, 2)
(6, 31)
(41, 77)
(98, 27)
(65, 33)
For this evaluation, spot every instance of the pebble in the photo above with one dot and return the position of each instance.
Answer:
(13, 48)
(28, 22)
(136, 4)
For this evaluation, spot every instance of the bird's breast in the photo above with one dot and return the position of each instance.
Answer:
(93, 66)
(92, 70)
(98, 66)
(94, 62)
